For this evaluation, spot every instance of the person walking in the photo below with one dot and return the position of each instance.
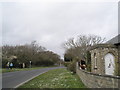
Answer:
(11, 65)
(8, 64)
(23, 66)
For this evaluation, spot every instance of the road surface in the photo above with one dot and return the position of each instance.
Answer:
(15, 79)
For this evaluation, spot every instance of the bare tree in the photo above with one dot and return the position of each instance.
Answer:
(83, 40)
(78, 47)
(70, 43)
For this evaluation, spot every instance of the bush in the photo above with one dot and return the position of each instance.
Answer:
(4, 62)
(88, 61)
(89, 67)
(66, 64)
(44, 63)
(72, 67)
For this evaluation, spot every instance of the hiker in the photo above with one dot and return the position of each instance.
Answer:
(23, 65)
(11, 65)
(79, 63)
(20, 65)
(82, 65)
(8, 65)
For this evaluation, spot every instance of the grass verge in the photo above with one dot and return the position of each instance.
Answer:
(58, 78)
(4, 70)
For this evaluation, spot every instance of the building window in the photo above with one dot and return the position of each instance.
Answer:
(95, 61)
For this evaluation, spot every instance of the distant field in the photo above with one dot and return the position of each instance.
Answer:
(58, 78)
(4, 70)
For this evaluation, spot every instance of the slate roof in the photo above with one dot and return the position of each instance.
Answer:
(115, 40)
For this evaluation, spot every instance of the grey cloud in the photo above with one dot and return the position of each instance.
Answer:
(53, 23)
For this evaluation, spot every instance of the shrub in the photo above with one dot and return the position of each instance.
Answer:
(4, 62)
(72, 67)
(66, 64)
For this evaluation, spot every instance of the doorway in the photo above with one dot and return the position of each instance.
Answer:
(109, 64)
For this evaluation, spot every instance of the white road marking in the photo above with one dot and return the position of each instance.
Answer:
(29, 79)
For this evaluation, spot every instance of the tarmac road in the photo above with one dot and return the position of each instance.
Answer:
(15, 79)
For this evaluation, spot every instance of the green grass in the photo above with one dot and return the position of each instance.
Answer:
(4, 70)
(58, 78)
(0, 70)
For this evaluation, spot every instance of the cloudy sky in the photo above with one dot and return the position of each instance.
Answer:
(52, 23)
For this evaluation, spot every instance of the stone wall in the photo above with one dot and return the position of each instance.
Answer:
(92, 80)
(99, 53)
(119, 63)
(119, 59)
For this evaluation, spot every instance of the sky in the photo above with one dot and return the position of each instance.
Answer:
(53, 23)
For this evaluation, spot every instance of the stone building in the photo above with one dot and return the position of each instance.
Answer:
(104, 57)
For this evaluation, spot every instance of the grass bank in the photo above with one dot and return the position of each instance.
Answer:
(4, 70)
(58, 78)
